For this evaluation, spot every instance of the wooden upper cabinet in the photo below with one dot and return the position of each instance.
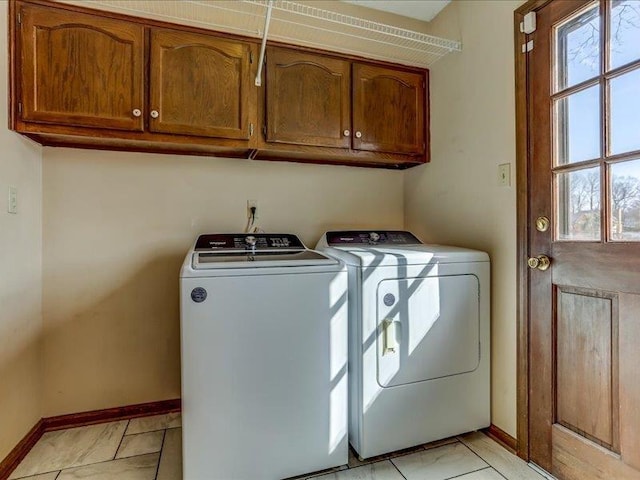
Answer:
(388, 110)
(308, 99)
(81, 70)
(200, 85)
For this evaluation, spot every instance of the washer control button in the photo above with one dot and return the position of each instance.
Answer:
(389, 299)
(198, 294)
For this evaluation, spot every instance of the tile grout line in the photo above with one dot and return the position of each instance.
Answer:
(479, 456)
(396, 467)
(164, 436)
(83, 465)
(489, 467)
(485, 460)
(124, 433)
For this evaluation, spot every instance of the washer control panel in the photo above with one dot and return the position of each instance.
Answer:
(369, 237)
(248, 241)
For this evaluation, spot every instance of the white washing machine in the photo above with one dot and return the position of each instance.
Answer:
(264, 358)
(419, 339)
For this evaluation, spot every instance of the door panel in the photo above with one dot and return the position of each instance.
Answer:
(388, 110)
(81, 70)
(584, 312)
(586, 364)
(200, 85)
(308, 99)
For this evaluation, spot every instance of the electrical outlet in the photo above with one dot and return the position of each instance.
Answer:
(504, 175)
(13, 200)
(252, 204)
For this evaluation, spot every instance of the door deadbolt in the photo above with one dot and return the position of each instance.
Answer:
(542, 224)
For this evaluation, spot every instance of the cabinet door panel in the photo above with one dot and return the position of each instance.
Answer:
(308, 98)
(388, 110)
(200, 85)
(81, 70)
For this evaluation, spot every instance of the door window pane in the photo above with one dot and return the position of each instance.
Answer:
(578, 48)
(579, 205)
(625, 112)
(578, 126)
(625, 32)
(625, 201)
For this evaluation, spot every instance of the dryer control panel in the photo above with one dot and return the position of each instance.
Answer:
(371, 237)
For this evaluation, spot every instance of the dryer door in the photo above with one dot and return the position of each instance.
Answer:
(427, 328)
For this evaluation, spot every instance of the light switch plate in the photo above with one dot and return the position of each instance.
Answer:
(13, 200)
(504, 175)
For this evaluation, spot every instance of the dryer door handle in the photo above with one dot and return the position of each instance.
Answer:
(389, 337)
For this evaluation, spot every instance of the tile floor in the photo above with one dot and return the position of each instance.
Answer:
(149, 448)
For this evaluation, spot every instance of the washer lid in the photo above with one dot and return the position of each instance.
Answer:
(254, 250)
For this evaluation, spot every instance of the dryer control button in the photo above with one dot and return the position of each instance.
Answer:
(389, 299)
(198, 294)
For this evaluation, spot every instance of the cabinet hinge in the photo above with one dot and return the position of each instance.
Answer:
(250, 57)
(251, 129)
(20, 108)
(527, 47)
(19, 18)
(264, 130)
(528, 25)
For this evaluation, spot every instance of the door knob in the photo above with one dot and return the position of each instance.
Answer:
(541, 262)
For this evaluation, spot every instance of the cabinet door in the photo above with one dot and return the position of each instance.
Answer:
(200, 85)
(307, 99)
(388, 110)
(81, 70)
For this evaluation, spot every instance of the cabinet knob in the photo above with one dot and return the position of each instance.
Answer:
(154, 114)
(358, 134)
(346, 133)
(137, 112)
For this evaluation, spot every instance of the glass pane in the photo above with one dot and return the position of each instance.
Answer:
(578, 49)
(578, 126)
(625, 201)
(579, 205)
(625, 32)
(625, 112)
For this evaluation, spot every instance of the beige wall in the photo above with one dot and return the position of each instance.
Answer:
(456, 198)
(20, 274)
(116, 229)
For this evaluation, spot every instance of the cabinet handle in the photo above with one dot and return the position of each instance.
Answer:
(358, 134)
(346, 133)
(137, 112)
(154, 114)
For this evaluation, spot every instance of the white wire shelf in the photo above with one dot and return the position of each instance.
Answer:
(296, 23)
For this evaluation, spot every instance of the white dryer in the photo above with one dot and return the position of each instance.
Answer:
(264, 358)
(419, 339)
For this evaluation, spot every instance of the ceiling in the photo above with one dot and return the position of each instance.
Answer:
(424, 10)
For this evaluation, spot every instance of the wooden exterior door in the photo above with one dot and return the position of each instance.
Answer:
(308, 99)
(388, 110)
(584, 177)
(81, 70)
(200, 85)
